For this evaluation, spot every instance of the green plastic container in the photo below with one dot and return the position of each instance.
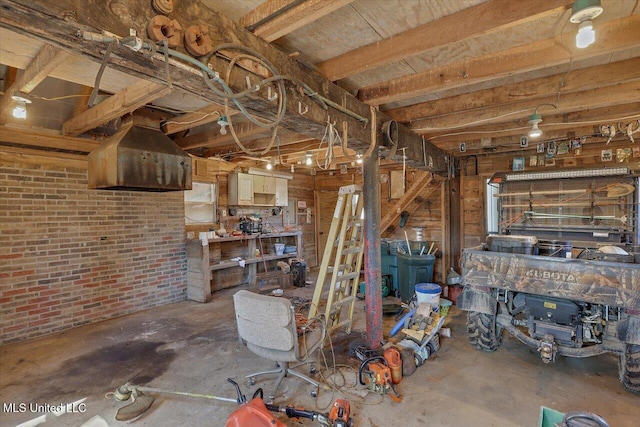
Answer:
(413, 269)
(389, 261)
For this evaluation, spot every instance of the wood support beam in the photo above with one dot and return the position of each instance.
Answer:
(422, 180)
(554, 127)
(213, 138)
(205, 115)
(613, 36)
(613, 95)
(46, 60)
(577, 80)
(46, 140)
(277, 18)
(119, 104)
(304, 115)
(492, 16)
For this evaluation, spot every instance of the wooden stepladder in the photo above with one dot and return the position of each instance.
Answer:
(342, 259)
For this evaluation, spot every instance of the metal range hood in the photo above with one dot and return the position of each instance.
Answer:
(138, 158)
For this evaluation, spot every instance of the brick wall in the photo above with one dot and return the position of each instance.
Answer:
(71, 256)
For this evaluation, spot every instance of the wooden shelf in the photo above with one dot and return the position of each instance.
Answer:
(228, 264)
(206, 264)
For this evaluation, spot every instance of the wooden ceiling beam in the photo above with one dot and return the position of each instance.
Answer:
(126, 101)
(560, 122)
(208, 114)
(45, 61)
(304, 114)
(613, 36)
(213, 138)
(576, 80)
(37, 139)
(623, 93)
(289, 143)
(277, 18)
(488, 17)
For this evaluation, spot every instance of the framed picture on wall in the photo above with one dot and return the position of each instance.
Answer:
(518, 164)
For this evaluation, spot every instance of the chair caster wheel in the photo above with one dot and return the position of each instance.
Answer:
(314, 393)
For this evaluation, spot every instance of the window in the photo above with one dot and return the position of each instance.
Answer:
(200, 204)
(492, 207)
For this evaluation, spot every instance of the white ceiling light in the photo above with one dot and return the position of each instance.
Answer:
(583, 12)
(359, 159)
(20, 110)
(269, 165)
(308, 159)
(535, 131)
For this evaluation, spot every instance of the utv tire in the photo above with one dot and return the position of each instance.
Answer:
(630, 367)
(483, 332)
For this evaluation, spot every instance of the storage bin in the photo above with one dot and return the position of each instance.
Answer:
(512, 244)
(413, 269)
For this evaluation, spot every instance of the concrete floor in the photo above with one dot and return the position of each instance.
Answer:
(193, 347)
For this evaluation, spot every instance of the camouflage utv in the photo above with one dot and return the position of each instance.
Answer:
(567, 307)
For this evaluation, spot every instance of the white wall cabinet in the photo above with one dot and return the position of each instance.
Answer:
(282, 192)
(240, 189)
(257, 190)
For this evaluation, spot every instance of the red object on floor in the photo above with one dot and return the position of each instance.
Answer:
(454, 292)
(253, 414)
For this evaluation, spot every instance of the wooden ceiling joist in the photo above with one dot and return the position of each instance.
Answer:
(277, 18)
(492, 16)
(613, 36)
(213, 138)
(304, 115)
(205, 115)
(565, 82)
(553, 126)
(37, 139)
(117, 105)
(602, 97)
(45, 61)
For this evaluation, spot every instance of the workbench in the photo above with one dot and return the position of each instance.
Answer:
(209, 266)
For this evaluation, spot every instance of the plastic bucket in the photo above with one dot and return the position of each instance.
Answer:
(429, 293)
(445, 304)
(279, 248)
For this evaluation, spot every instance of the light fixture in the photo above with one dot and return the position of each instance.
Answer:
(269, 165)
(223, 123)
(583, 12)
(20, 110)
(535, 131)
(308, 159)
(359, 159)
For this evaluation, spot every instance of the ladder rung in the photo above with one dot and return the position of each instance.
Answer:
(338, 304)
(340, 325)
(348, 276)
(355, 250)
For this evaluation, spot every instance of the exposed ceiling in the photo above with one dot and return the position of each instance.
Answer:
(453, 71)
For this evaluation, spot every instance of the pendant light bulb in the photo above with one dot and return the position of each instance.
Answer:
(534, 120)
(308, 159)
(269, 165)
(359, 159)
(582, 13)
(585, 36)
(20, 110)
